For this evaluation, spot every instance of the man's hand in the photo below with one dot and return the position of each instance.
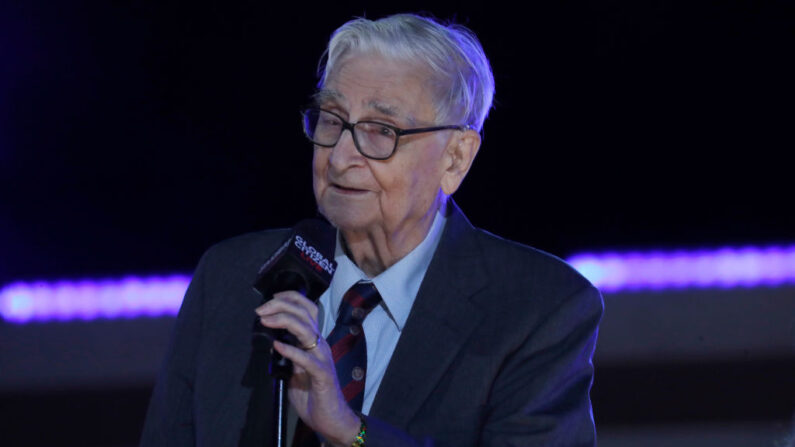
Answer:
(313, 390)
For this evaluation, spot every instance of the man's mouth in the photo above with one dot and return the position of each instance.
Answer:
(347, 188)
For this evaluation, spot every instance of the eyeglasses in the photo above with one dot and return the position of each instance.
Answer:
(372, 139)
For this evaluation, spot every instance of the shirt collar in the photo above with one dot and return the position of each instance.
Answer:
(399, 284)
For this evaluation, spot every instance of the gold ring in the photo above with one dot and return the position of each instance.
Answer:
(313, 345)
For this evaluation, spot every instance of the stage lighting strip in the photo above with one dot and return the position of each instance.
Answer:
(129, 297)
(133, 297)
(722, 268)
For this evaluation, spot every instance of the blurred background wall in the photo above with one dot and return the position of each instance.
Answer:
(135, 134)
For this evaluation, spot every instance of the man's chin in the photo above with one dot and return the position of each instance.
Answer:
(346, 220)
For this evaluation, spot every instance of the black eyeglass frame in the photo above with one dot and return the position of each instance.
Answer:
(398, 131)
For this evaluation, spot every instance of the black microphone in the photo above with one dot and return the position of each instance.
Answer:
(305, 263)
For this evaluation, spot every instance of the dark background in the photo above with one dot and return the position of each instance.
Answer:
(135, 134)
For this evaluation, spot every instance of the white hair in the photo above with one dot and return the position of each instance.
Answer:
(460, 72)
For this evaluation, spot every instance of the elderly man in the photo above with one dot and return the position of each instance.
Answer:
(469, 339)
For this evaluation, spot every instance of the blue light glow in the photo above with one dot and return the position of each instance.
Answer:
(719, 268)
(129, 297)
(132, 297)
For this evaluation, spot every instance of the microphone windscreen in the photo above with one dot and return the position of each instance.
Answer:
(304, 261)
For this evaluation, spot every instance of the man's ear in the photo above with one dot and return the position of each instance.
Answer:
(460, 154)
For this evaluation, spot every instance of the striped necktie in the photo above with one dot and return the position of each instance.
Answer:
(347, 341)
(349, 350)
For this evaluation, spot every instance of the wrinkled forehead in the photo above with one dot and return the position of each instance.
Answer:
(392, 87)
(330, 97)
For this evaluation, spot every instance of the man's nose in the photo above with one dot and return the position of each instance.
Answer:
(344, 152)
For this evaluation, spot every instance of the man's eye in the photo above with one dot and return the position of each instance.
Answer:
(330, 121)
(386, 131)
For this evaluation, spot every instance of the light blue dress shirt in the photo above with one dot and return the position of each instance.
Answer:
(398, 286)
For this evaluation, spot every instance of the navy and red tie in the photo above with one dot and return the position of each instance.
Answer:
(347, 342)
(349, 350)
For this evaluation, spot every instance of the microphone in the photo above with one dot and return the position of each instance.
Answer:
(305, 263)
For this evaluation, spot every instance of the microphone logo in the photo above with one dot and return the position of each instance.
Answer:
(314, 257)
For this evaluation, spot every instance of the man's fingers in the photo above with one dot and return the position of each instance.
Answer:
(295, 299)
(290, 301)
(300, 300)
(303, 330)
(299, 357)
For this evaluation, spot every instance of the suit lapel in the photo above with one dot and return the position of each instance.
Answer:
(442, 316)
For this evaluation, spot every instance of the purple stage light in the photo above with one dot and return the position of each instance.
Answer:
(133, 297)
(720, 268)
(128, 297)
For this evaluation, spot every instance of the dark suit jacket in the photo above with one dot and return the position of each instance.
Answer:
(496, 350)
